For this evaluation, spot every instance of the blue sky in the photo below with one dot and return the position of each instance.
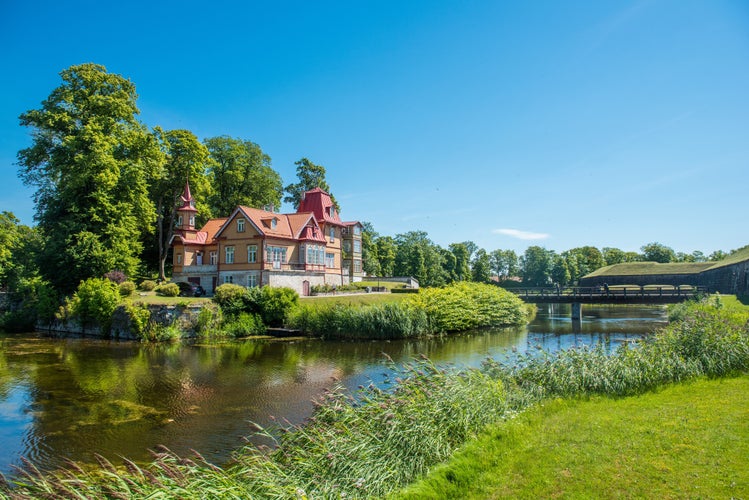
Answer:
(510, 124)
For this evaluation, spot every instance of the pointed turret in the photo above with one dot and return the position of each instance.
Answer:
(186, 213)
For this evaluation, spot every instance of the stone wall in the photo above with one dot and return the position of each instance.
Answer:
(121, 328)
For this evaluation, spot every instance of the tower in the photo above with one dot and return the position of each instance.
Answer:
(186, 213)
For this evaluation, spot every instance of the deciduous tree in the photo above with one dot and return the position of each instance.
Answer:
(90, 162)
(656, 252)
(186, 158)
(241, 174)
(310, 176)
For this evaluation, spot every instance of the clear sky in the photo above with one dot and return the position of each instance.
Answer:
(552, 123)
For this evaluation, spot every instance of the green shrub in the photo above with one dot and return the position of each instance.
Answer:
(209, 320)
(140, 319)
(126, 288)
(276, 303)
(167, 290)
(147, 285)
(244, 325)
(33, 301)
(465, 306)
(95, 300)
(235, 299)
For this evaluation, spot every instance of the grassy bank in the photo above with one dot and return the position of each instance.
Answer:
(685, 441)
(360, 299)
(389, 439)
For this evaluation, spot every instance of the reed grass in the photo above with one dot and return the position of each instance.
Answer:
(373, 442)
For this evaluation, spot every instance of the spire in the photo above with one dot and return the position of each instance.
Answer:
(188, 203)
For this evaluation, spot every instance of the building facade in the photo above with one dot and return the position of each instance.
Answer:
(253, 247)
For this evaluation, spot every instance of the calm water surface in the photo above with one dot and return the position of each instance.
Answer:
(73, 397)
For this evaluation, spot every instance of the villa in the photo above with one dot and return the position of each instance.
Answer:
(253, 247)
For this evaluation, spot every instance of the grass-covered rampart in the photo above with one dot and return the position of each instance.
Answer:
(375, 444)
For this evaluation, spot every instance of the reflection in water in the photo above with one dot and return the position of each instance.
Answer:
(71, 398)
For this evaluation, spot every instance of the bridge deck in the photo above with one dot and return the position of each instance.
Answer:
(609, 295)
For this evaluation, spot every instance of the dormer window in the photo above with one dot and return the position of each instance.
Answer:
(240, 225)
(273, 223)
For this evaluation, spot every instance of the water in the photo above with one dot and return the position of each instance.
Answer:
(73, 397)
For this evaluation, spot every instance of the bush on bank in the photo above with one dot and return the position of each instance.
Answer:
(457, 307)
(384, 440)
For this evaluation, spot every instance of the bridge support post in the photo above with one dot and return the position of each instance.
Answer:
(577, 311)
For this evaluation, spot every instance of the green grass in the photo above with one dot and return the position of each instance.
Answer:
(355, 300)
(685, 441)
(152, 299)
(647, 268)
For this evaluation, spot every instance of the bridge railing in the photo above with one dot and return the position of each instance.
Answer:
(611, 291)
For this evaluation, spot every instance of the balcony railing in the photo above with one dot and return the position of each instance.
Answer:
(278, 266)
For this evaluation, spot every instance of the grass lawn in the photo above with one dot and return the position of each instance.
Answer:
(152, 298)
(684, 441)
(362, 299)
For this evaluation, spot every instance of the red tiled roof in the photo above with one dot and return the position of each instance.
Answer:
(206, 235)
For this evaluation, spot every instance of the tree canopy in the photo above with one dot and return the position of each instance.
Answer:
(90, 162)
(241, 174)
(310, 176)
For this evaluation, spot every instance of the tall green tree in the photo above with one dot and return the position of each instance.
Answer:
(241, 174)
(462, 253)
(657, 252)
(310, 176)
(536, 264)
(419, 257)
(90, 162)
(481, 270)
(370, 259)
(504, 263)
(560, 273)
(19, 248)
(586, 260)
(186, 158)
(386, 253)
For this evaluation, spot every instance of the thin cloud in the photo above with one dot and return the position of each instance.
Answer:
(521, 235)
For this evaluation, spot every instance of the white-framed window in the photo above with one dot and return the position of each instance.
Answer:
(357, 246)
(346, 246)
(179, 221)
(276, 254)
(192, 221)
(228, 278)
(252, 280)
(179, 258)
(273, 223)
(214, 257)
(357, 266)
(332, 233)
(329, 260)
(315, 254)
(230, 255)
(240, 225)
(251, 253)
(357, 229)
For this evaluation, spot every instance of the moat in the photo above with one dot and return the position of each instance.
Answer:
(74, 397)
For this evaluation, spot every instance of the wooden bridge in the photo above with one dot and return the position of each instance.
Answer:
(608, 295)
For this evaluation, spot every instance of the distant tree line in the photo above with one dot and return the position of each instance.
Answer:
(414, 254)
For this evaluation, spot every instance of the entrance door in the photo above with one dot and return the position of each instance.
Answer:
(305, 288)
